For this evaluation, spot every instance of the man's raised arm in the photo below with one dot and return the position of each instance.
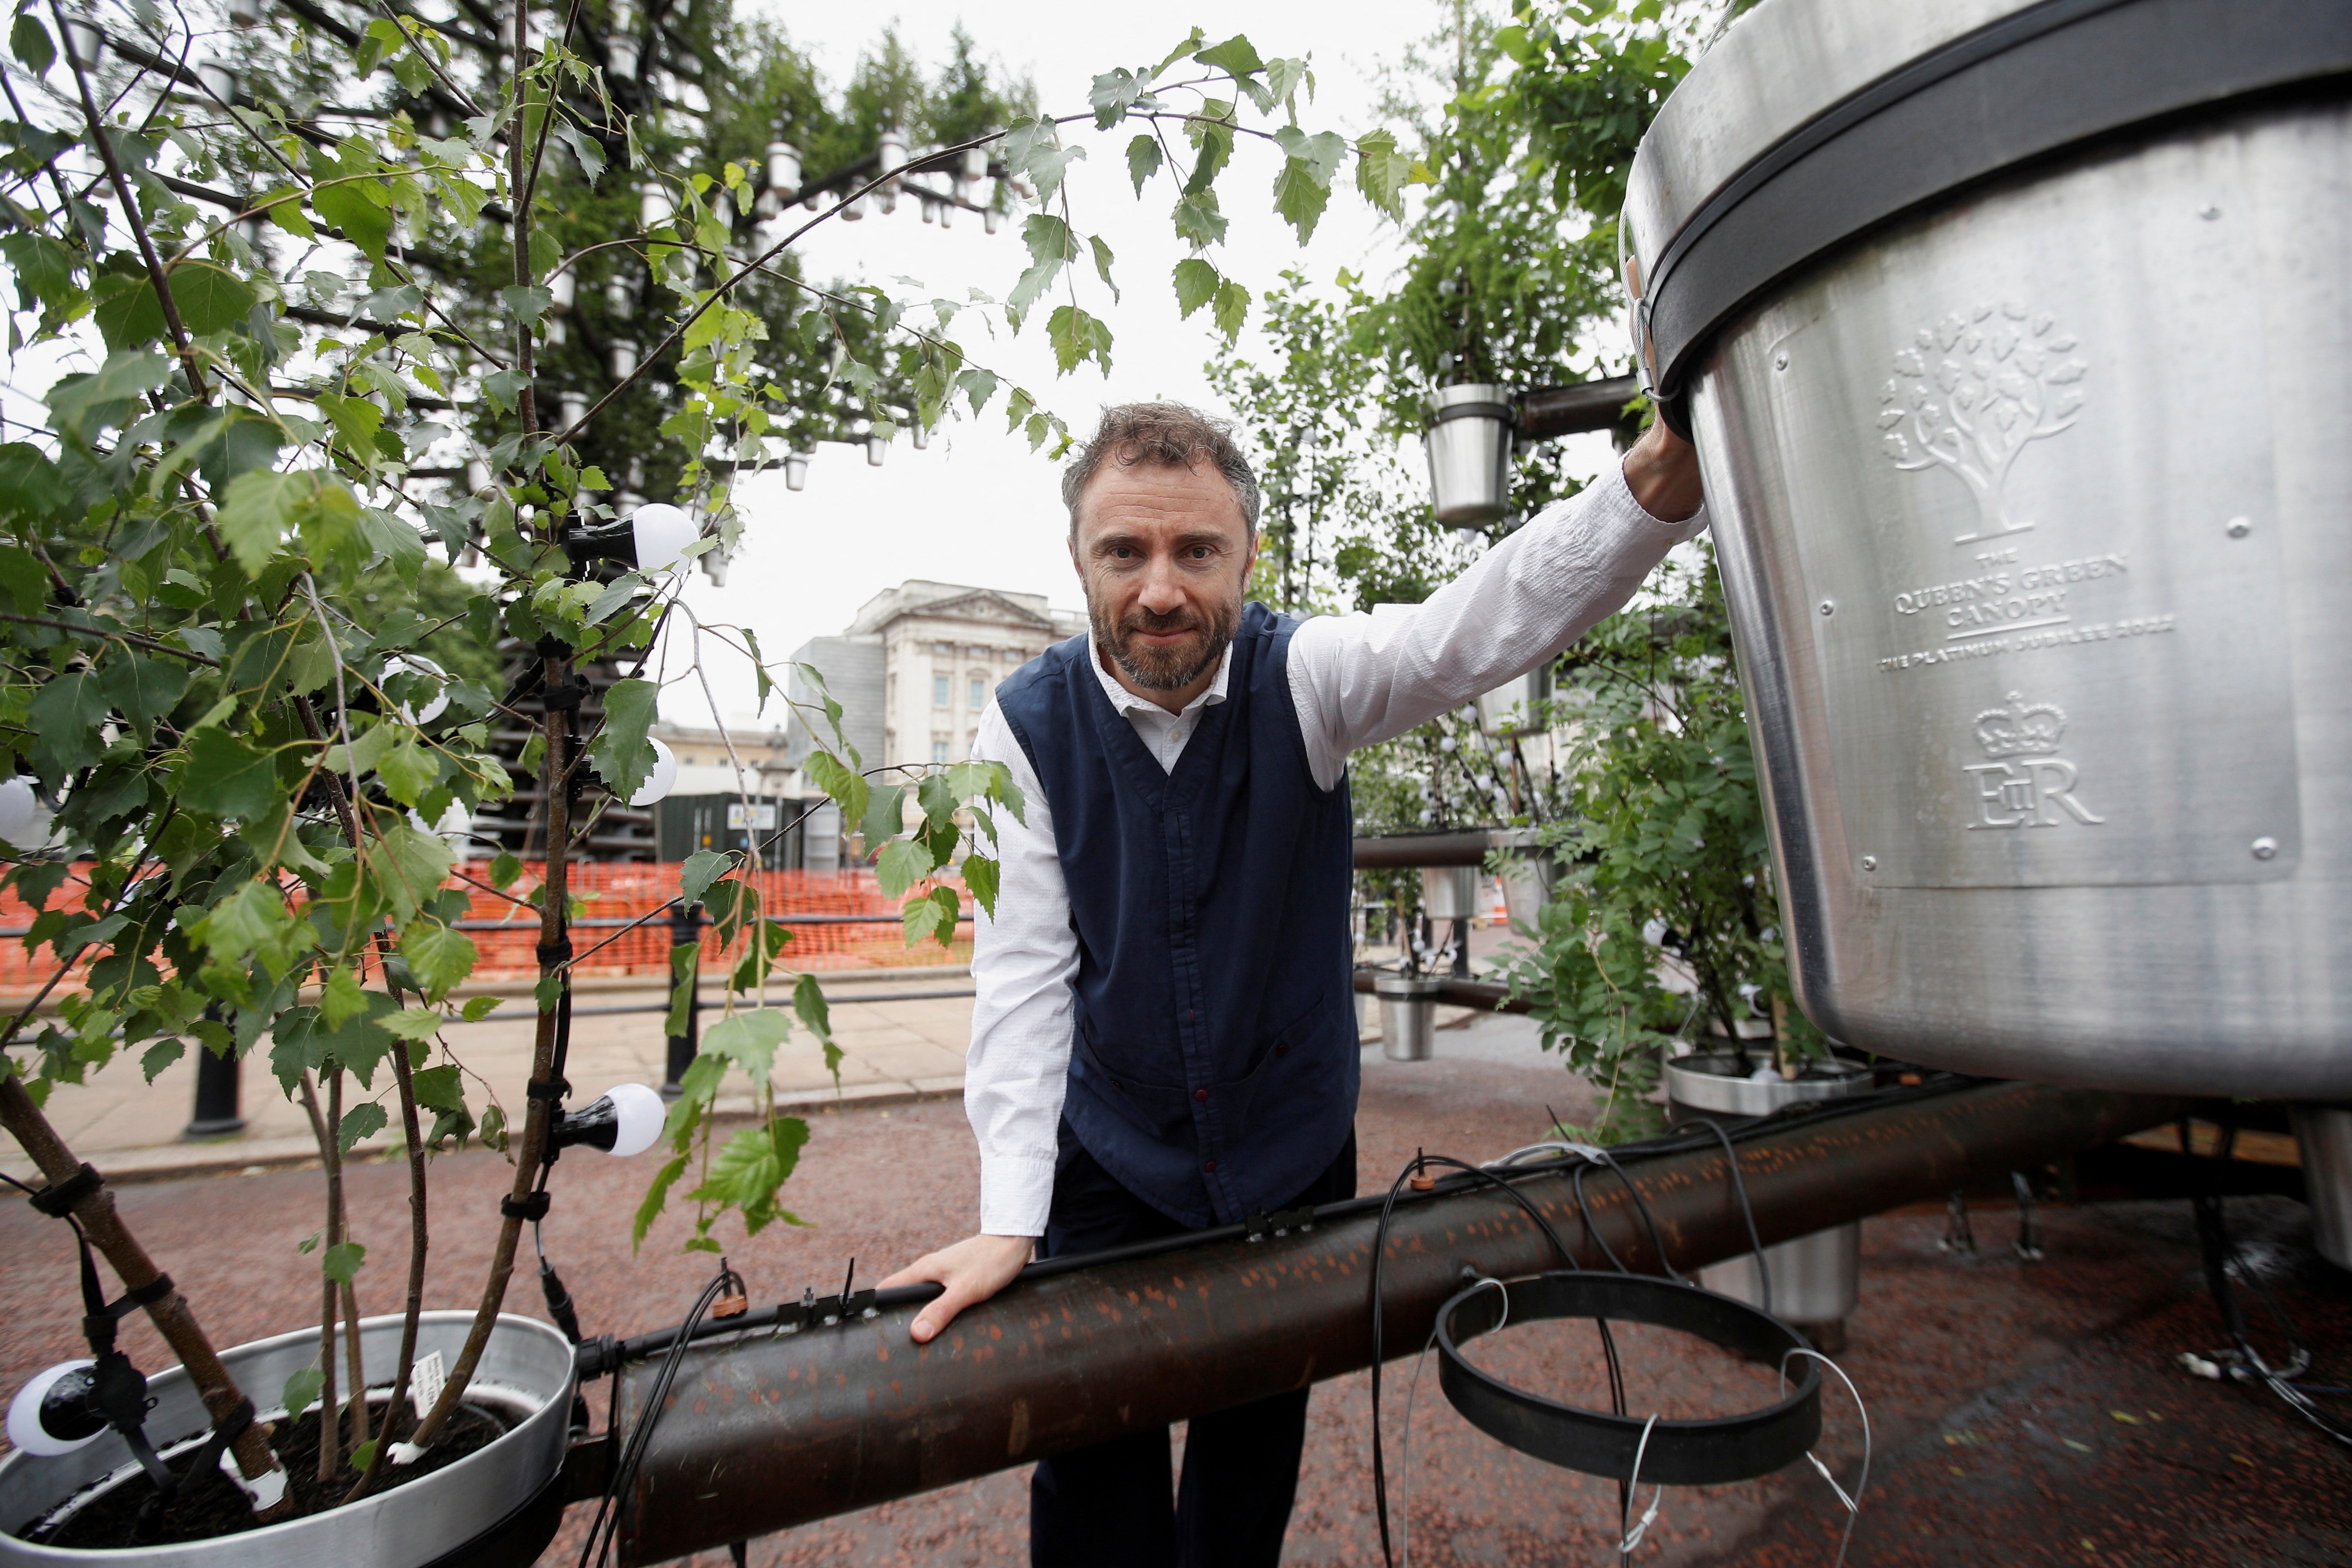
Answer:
(1361, 679)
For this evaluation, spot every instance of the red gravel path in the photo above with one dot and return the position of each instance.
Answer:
(1991, 1384)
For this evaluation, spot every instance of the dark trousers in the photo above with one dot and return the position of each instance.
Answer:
(1110, 1506)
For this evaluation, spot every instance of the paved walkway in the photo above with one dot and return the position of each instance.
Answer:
(902, 1041)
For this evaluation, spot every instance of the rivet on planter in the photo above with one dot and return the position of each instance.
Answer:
(1870, 862)
(1780, 360)
(2265, 848)
(2240, 527)
(1829, 607)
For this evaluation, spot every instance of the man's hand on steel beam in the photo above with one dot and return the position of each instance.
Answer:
(1661, 470)
(971, 1270)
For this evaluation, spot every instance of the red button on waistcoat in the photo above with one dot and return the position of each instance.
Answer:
(1200, 1094)
(1208, 1165)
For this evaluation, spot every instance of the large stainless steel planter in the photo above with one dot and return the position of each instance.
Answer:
(2024, 434)
(527, 1368)
(2324, 1134)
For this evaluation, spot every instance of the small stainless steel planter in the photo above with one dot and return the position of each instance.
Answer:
(1816, 1280)
(2324, 1133)
(2020, 412)
(1469, 442)
(527, 1368)
(1408, 1016)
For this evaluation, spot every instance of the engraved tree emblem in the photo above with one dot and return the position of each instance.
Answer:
(1970, 392)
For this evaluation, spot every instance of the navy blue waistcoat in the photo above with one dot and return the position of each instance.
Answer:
(1214, 1068)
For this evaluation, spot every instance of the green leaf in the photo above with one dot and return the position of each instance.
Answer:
(656, 1198)
(849, 791)
(31, 490)
(409, 867)
(343, 1261)
(43, 266)
(229, 778)
(363, 1120)
(979, 874)
(364, 1455)
(476, 1009)
(31, 42)
(262, 508)
(159, 1056)
(1235, 55)
(418, 1023)
(355, 207)
(504, 870)
(142, 689)
(1231, 309)
(210, 299)
(1382, 172)
(407, 769)
(621, 754)
(301, 1389)
(702, 867)
(1142, 160)
(886, 816)
(1196, 284)
(905, 862)
(82, 406)
(1102, 264)
(1198, 220)
(809, 1003)
(341, 996)
(749, 1039)
(527, 304)
(440, 1088)
(685, 963)
(401, 546)
(1077, 337)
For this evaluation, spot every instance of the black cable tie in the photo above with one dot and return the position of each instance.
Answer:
(556, 951)
(551, 647)
(552, 1091)
(155, 1289)
(57, 1199)
(562, 698)
(532, 1208)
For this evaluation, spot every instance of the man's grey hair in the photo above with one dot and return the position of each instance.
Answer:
(1163, 433)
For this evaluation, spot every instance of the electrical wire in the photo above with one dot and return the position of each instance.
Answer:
(607, 1524)
(2222, 1258)
(1739, 1185)
(1853, 1503)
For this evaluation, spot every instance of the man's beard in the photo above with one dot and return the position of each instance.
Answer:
(1169, 666)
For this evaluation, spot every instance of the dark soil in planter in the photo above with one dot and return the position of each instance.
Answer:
(210, 1505)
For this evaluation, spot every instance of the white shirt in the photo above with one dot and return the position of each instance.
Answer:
(1356, 681)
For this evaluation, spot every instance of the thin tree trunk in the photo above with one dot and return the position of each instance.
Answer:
(404, 1077)
(358, 1367)
(130, 1263)
(331, 1454)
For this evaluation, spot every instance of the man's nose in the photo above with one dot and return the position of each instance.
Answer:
(1164, 589)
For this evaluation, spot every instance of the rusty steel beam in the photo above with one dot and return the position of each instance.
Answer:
(769, 1430)
(1488, 993)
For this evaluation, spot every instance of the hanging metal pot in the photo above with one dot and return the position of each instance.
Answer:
(1469, 442)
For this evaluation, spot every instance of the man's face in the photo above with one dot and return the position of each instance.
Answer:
(1165, 554)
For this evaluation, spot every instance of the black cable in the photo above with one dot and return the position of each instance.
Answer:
(1648, 1223)
(1380, 1247)
(618, 1479)
(1739, 1185)
(2220, 1254)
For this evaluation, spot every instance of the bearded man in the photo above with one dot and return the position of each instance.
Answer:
(1165, 1032)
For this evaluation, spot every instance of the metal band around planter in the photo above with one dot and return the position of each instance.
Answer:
(1679, 1453)
(1505, 412)
(2034, 83)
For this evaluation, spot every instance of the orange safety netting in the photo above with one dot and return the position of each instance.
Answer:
(507, 934)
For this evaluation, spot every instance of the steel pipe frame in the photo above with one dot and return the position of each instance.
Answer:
(767, 1430)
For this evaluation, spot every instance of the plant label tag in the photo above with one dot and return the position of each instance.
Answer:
(425, 1382)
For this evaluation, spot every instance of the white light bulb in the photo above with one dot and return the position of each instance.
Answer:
(25, 1429)
(662, 779)
(637, 1117)
(20, 813)
(663, 532)
(417, 664)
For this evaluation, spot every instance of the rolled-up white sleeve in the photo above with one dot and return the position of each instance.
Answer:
(1021, 961)
(1359, 679)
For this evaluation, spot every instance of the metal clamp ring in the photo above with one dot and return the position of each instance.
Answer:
(1679, 1453)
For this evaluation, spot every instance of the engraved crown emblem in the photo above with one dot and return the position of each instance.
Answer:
(2022, 729)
